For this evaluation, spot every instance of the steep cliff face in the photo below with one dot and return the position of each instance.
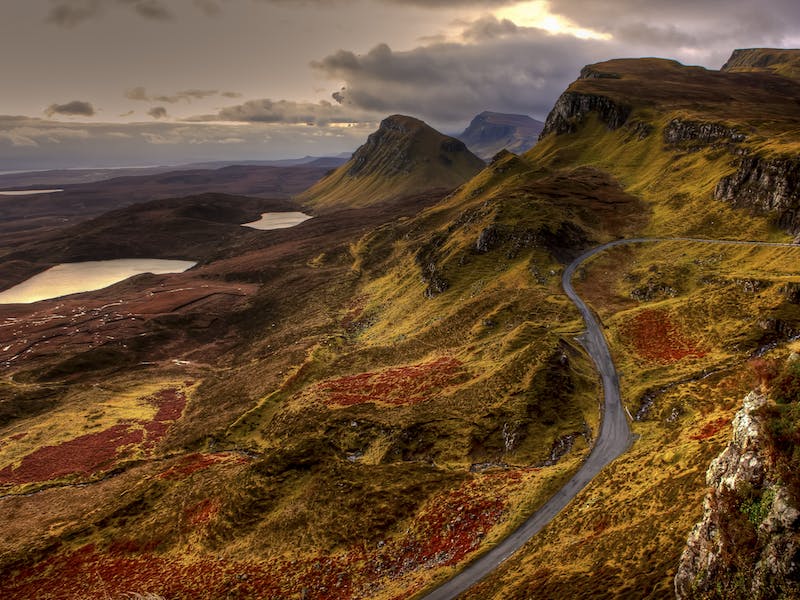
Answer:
(701, 133)
(769, 185)
(572, 107)
(782, 61)
(747, 544)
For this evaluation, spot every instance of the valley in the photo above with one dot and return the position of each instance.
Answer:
(417, 385)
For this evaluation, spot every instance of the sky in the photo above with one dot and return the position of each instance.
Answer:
(91, 83)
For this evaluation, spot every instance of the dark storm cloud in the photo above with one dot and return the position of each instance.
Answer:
(140, 93)
(289, 112)
(76, 108)
(158, 112)
(523, 72)
(69, 13)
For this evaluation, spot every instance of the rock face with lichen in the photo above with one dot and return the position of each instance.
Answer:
(770, 186)
(747, 544)
(573, 107)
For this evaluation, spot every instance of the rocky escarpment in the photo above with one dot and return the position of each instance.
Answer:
(701, 133)
(573, 107)
(777, 60)
(769, 185)
(747, 543)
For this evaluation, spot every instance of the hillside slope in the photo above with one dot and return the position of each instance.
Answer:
(712, 154)
(402, 158)
(775, 60)
(356, 407)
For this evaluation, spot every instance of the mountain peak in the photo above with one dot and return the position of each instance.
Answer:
(404, 156)
(489, 132)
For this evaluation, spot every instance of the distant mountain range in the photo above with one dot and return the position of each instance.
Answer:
(50, 177)
(490, 132)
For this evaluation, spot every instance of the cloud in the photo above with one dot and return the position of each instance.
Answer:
(209, 7)
(158, 112)
(137, 93)
(29, 143)
(70, 13)
(76, 108)
(499, 64)
(709, 28)
(489, 28)
(434, 4)
(140, 94)
(289, 112)
(186, 96)
(512, 69)
(31, 133)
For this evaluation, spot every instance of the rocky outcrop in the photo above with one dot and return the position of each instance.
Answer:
(746, 544)
(564, 244)
(699, 133)
(573, 107)
(770, 186)
(427, 258)
(591, 72)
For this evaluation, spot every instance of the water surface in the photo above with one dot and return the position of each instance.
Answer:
(278, 220)
(27, 192)
(72, 278)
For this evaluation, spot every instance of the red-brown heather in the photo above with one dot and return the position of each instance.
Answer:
(657, 338)
(398, 386)
(451, 527)
(95, 453)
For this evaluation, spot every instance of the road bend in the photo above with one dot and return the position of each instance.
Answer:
(614, 438)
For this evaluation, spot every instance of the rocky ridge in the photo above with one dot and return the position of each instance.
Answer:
(746, 510)
(767, 183)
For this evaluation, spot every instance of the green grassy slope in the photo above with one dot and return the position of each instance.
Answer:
(398, 399)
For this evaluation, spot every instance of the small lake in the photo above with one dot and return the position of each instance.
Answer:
(278, 220)
(72, 278)
(28, 192)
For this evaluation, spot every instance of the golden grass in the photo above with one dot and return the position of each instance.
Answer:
(623, 535)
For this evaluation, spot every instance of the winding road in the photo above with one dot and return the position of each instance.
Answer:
(614, 438)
